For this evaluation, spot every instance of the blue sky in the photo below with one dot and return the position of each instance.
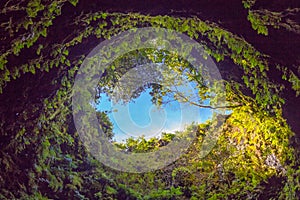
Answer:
(142, 117)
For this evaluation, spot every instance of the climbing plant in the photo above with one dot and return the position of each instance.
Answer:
(42, 156)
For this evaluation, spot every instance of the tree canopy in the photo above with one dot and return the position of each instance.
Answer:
(255, 46)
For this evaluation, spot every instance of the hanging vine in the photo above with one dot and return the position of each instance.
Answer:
(53, 149)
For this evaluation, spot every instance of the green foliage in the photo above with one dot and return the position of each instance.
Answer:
(295, 81)
(257, 23)
(248, 3)
(73, 2)
(160, 194)
(42, 156)
(141, 145)
(241, 52)
(33, 7)
(261, 19)
(237, 167)
(31, 34)
(105, 124)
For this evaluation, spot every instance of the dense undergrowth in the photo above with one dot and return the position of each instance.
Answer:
(42, 157)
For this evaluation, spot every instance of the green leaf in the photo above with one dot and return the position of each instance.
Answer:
(38, 51)
(67, 62)
(111, 190)
(32, 69)
(44, 32)
(73, 2)
(66, 52)
(27, 22)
